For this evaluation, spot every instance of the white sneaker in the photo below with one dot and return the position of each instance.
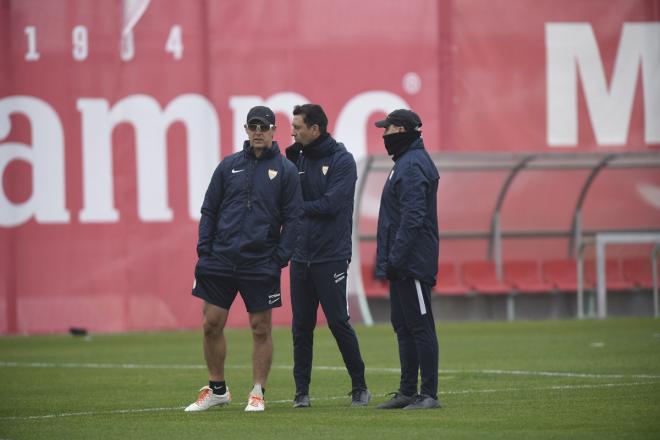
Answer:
(255, 403)
(207, 399)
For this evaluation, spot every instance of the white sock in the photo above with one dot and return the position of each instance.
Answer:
(257, 390)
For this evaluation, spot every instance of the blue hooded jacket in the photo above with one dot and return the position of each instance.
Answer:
(250, 215)
(408, 220)
(327, 175)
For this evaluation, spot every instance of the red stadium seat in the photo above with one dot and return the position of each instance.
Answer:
(525, 276)
(448, 282)
(614, 279)
(638, 271)
(481, 276)
(562, 273)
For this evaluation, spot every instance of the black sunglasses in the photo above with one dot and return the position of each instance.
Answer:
(259, 127)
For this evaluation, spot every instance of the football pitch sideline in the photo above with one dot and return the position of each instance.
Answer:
(549, 379)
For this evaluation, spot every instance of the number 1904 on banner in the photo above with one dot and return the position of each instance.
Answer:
(80, 44)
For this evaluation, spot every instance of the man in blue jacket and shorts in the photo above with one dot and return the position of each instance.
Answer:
(407, 255)
(247, 233)
(319, 264)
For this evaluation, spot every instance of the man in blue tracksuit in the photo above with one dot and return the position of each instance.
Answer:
(247, 233)
(320, 262)
(407, 254)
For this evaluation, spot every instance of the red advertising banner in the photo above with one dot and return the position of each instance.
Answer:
(114, 114)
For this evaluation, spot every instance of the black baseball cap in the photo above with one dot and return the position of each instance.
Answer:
(401, 118)
(262, 114)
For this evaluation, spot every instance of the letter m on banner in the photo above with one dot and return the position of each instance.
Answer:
(572, 53)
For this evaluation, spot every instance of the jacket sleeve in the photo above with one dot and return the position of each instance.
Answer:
(340, 187)
(292, 212)
(413, 189)
(210, 210)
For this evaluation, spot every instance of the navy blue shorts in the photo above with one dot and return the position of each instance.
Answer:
(258, 294)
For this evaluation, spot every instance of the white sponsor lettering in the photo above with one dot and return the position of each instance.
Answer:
(46, 154)
(572, 54)
(151, 124)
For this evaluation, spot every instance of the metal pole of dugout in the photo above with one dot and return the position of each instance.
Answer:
(356, 266)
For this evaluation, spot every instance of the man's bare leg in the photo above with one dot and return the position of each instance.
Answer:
(262, 354)
(215, 346)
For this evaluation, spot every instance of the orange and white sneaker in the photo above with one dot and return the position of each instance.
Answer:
(207, 399)
(255, 403)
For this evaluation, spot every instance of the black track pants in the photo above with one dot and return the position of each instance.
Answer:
(412, 320)
(323, 283)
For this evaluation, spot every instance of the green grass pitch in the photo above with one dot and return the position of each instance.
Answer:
(522, 380)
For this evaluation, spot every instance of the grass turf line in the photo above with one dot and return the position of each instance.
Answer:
(609, 387)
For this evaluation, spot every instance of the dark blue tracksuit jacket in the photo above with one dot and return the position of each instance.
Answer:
(408, 221)
(327, 174)
(250, 215)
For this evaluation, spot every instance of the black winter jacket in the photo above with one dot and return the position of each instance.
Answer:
(408, 221)
(250, 215)
(327, 176)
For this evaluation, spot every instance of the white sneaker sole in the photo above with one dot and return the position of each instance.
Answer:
(197, 408)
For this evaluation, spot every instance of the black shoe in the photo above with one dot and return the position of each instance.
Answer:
(423, 401)
(399, 400)
(301, 401)
(359, 397)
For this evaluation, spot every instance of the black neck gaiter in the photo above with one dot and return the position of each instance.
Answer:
(312, 149)
(397, 143)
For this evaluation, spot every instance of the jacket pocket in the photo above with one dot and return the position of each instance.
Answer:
(382, 251)
(390, 237)
(273, 234)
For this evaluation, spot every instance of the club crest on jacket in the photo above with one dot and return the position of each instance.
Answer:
(272, 174)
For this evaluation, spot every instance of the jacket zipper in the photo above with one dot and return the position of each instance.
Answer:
(306, 233)
(252, 165)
